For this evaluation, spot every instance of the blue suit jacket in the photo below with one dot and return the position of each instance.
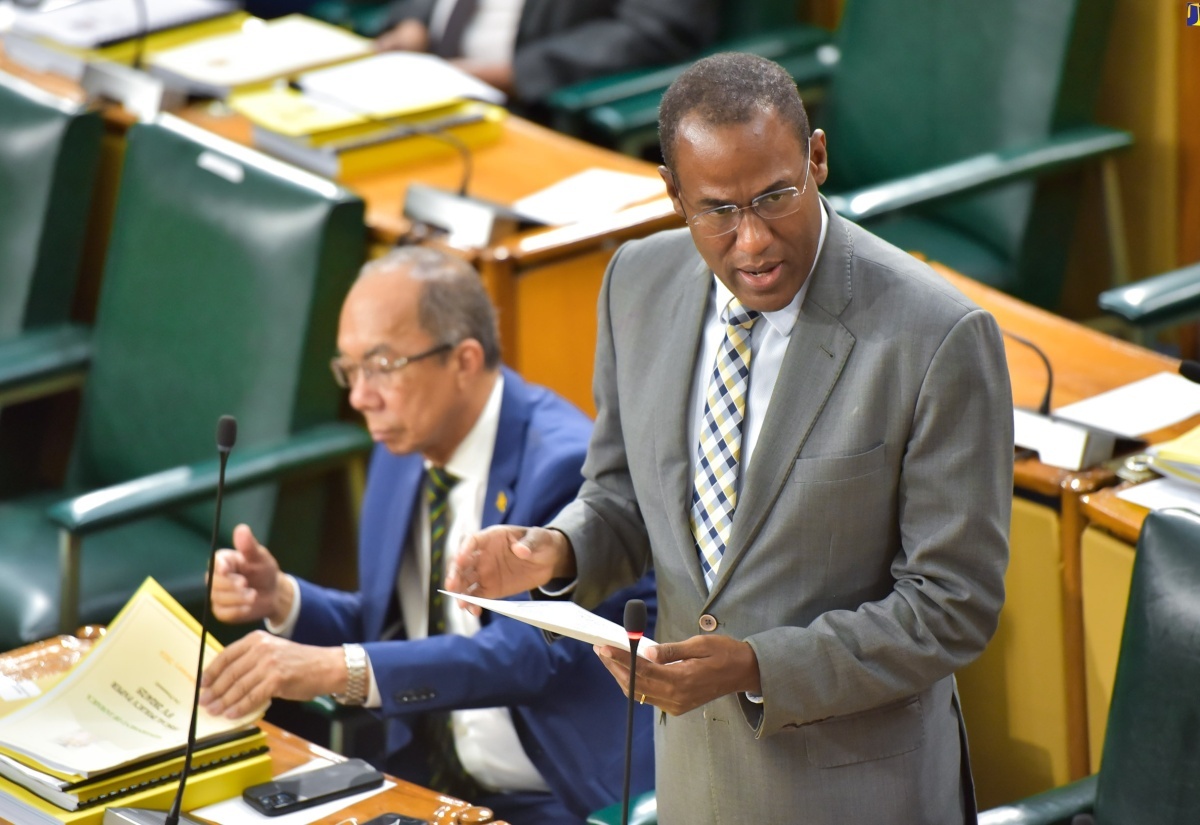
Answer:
(566, 708)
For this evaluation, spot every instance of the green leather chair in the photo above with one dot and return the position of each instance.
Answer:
(49, 157)
(1150, 768)
(49, 154)
(959, 130)
(643, 810)
(222, 284)
(621, 111)
(1152, 304)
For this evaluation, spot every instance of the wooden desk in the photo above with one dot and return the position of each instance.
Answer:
(44, 661)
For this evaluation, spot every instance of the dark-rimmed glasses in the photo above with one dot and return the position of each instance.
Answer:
(373, 367)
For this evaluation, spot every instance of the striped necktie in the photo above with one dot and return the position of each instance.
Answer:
(446, 773)
(715, 492)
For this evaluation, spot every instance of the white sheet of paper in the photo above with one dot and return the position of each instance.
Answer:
(236, 812)
(396, 82)
(564, 618)
(587, 194)
(1163, 493)
(1141, 407)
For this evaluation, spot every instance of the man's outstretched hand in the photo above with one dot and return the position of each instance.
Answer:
(503, 560)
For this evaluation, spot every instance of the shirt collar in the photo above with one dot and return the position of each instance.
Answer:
(781, 320)
(472, 459)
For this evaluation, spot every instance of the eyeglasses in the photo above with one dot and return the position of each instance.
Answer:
(346, 371)
(721, 220)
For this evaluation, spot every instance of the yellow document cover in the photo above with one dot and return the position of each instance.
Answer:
(222, 782)
(128, 700)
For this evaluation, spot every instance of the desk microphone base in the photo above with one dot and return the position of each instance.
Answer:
(141, 816)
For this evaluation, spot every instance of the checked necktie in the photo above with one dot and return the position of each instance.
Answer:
(714, 494)
(446, 773)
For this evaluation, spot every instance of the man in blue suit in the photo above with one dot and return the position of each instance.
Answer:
(487, 711)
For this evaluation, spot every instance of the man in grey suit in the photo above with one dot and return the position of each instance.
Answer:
(808, 434)
(532, 47)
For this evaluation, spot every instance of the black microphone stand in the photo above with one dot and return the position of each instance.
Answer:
(635, 627)
(226, 437)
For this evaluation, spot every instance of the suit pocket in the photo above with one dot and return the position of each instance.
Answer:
(862, 737)
(839, 467)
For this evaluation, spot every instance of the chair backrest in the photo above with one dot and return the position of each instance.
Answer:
(743, 18)
(49, 153)
(222, 286)
(1150, 769)
(926, 82)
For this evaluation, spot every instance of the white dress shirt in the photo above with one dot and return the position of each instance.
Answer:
(487, 741)
(490, 36)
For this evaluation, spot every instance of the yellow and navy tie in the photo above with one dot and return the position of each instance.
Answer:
(715, 492)
(446, 773)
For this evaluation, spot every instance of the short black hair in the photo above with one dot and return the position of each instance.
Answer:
(728, 88)
(453, 305)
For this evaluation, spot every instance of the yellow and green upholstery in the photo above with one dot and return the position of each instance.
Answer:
(1151, 760)
(222, 285)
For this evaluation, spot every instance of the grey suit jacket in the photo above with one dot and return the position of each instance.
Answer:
(560, 42)
(867, 555)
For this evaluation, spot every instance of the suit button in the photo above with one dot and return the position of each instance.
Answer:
(708, 623)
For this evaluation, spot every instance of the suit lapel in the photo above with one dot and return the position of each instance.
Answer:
(817, 352)
(672, 450)
(381, 586)
(506, 454)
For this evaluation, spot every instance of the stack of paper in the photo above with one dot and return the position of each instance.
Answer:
(379, 112)
(256, 55)
(64, 40)
(1180, 458)
(113, 730)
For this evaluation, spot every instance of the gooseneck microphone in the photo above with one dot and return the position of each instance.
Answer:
(1044, 407)
(1190, 370)
(635, 627)
(226, 436)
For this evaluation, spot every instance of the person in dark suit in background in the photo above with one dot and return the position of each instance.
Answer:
(486, 711)
(529, 48)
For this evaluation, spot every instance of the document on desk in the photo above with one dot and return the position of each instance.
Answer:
(129, 699)
(563, 618)
(1138, 408)
(589, 194)
(1163, 493)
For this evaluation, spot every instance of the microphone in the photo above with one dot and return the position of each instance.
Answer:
(1190, 370)
(635, 627)
(1044, 407)
(226, 437)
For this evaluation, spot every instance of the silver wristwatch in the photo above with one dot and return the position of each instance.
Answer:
(356, 676)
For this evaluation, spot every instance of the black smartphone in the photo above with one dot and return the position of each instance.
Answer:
(283, 796)
(396, 819)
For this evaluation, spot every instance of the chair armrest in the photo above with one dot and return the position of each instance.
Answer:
(42, 361)
(1064, 150)
(1161, 299)
(643, 810)
(1054, 807)
(311, 451)
(588, 94)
